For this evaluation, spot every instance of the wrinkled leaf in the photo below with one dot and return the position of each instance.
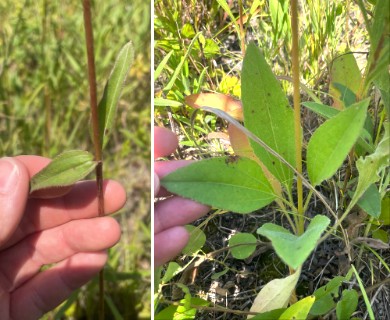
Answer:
(112, 91)
(243, 245)
(285, 242)
(268, 115)
(218, 101)
(65, 170)
(299, 310)
(347, 305)
(229, 183)
(331, 142)
(196, 241)
(275, 294)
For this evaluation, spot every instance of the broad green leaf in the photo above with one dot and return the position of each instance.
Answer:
(384, 218)
(65, 170)
(344, 72)
(324, 296)
(185, 312)
(347, 96)
(347, 305)
(243, 245)
(275, 294)
(370, 201)
(267, 114)
(112, 91)
(196, 241)
(370, 166)
(299, 310)
(331, 142)
(229, 183)
(285, 242)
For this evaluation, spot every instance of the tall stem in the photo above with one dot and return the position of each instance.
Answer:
(297, 111)
(95, 130)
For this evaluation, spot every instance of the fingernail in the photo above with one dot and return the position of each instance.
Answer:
(9, 173)
(156, 184)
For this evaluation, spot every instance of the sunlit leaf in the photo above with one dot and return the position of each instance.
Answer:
(331, 142)
(216, 100)
(65, 170)
(268, 115)
(299, 310)
(229, 183)
(284, 242)
(275, 294)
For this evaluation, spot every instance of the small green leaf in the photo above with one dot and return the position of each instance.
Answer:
(65, 170)
(267, 113)
(229, 183)
(217, 275)
(347, 305)
(275, 294)
(243, 245)
(331, 142)
(324, 296)
(112, 91)
(196, 241)
(384, 218)
(299, 310)
(285, 242)
(172, 270)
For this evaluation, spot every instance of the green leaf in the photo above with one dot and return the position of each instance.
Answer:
(371, 165)
(274, 314)
(112, 91)
(267, 114)
(172, 270)
(347, 305)
(183, 312)
(321, 109)
(370, 201)
(275, 294)
(217, 275)
(229, 183)
(196, 241)
(299, 310)
(65, 170)
(345, 80)
(384, 218)
(324, 296)
(161, 102)
(243, 245)
(331, 142)
(285, 242)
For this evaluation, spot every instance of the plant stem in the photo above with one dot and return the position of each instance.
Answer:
(95, 130)
(297, 111)
(242, 32)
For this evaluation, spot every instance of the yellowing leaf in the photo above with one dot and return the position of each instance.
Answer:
(298, 310)
(275, 294)
(216, 100)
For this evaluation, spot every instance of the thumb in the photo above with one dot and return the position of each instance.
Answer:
(14, 188)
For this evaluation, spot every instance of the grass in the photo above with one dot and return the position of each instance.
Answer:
(213, 64)
(44, 107)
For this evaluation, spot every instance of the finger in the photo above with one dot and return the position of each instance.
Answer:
(80, 203)
(14, 186)
(22, 261)
(162, 168)
(165, 142)
(176, 211)
(168, 244)
(49, 288)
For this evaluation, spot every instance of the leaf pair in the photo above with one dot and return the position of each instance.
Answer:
(72, 166)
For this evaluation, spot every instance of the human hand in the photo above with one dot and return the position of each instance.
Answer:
(34, 232)
(170, 214)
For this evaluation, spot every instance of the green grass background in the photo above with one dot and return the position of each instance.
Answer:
(44, 110)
